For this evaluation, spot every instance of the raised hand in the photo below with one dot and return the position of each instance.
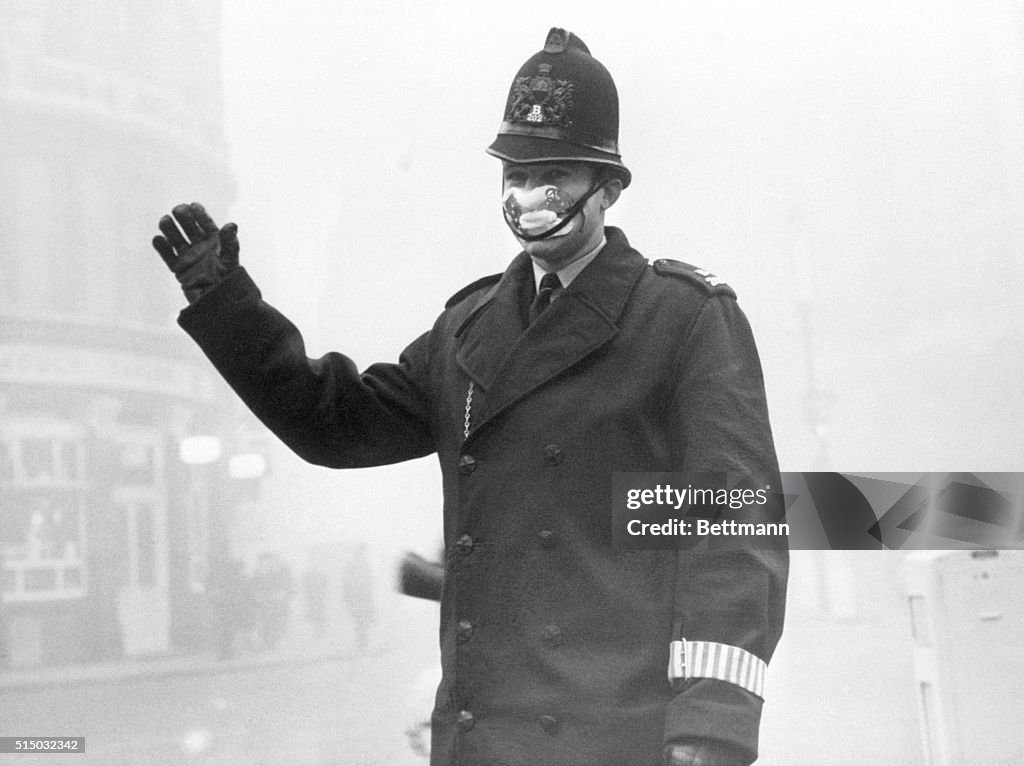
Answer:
(198, 252)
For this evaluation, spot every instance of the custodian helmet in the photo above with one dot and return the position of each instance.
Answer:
(562, 106)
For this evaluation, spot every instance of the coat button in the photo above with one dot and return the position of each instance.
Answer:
(465, 720)
(464, 631)
(464, 545)
(467, 464)
(553, 454)
(552, 636)
(548, 723)
(547, 538)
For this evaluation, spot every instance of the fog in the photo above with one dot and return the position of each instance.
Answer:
(854, 170)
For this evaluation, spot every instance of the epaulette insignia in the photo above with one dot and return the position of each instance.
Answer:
(669, 268)
(471, 288)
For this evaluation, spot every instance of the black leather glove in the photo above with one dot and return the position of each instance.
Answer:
(703, 752)
(201, 256)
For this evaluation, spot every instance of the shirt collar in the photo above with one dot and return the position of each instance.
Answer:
(568, 273)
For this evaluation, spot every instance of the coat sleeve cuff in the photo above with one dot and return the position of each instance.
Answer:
(230, 320)
(219, 301)
(715, 710)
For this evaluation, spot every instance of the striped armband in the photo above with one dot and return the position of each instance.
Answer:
(710, 659)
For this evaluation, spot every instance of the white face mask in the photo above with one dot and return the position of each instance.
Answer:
(534, 213)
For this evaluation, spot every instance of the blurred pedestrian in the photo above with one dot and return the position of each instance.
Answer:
(227, 595)
(314, 589)
(357, 593)
(272, 589)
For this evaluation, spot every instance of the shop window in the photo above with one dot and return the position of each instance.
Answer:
(37, 460)
(70, 461)
(42, 517)
(39, 579)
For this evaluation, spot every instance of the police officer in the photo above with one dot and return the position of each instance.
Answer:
(533, 387)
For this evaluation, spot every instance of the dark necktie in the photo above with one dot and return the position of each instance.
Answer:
(548, 284)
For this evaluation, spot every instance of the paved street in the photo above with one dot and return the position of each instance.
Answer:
(346, 711)
(841, 692)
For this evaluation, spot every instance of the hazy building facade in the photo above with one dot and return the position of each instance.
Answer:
(106, 533)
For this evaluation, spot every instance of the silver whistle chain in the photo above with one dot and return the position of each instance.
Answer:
(469, 409)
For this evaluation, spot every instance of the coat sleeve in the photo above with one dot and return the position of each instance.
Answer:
(734, 595)
(323, 409)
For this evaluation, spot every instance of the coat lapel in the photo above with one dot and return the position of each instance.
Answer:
(495, 324)
(509, 362)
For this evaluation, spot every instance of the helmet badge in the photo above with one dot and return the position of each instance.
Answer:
(541, 99)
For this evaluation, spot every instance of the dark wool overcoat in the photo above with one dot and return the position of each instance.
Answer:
(554, 646)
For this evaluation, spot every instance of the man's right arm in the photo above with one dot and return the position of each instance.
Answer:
(323, 409)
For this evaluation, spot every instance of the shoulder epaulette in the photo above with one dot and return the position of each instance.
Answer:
(708, 281)
(471, 288)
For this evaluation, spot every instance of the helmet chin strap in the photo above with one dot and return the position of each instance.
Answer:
(566, 218)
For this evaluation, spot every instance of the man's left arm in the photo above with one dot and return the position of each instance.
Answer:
(732, 593)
